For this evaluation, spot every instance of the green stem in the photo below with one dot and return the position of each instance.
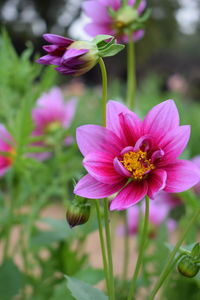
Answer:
(109, 249)
(141, 251)
(104, 90)
(126, 249)
(169, 263)
(131, 76)
(103, 251)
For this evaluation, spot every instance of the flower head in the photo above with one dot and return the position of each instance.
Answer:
(7, 146)
(112, 17)
(71, 57)
(52, 114)
(135, 158)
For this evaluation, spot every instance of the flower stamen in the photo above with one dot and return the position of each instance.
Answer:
(137, 164)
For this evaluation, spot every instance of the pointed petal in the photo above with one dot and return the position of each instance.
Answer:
(161, 118)
(173, 143)
(120, 168)
(94, 29)
(57, 39)
(127, 120)
(92, 138)
(181, 176)
(89, 187)
(131, 194)
(72, 53)
(130, 128)
(156, 182)
(100, 166)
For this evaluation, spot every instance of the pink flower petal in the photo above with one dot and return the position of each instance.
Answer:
(71, 53)
(70, 109)
(100, 166)
(181, 176)
(173, 143)
(90, 188)
(120, 168)
(160, 119)
(115, 4)
(93, 138)
(96, 11)
(57, 39)
(156, 182)
(94, 29)
(127, 120)
(130, 128)
(129, 195)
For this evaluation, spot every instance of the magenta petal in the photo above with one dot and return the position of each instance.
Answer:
(130, 128)
(173, 143)
(100, 166)
(96, 11)
(49, 60)
(71, 53)
(156, 182)
(129, 195)
(128, 120)
(127, 149)
(181, 176)
(70, 109)
(94, 29)
(89, 187)
(57, 39)
(161, 118)
(115, 4)
(92, 138)
(157, 155)
(144, 142)
(120, 168)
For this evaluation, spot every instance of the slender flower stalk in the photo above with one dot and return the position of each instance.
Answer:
(141, 250)
(105, 264)
(131, 77)
(170, 262)
(108, 267)
(126, 248)
(109, 249)
(104, 90)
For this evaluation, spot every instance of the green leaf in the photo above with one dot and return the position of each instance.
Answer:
(61, 292)
(112, 50)
(196, 251)
(11, 280)
(90, 275)
(83, 291)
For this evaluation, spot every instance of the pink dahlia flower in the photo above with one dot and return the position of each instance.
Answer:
(135, 158)
(51, 114)
(196, 161)
(102, 22)
(6, 145)
(158, 214)
(71, 57)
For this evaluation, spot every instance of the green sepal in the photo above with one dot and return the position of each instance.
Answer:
(102, 38)
(111, 50)
(196, 251)
(145, 16)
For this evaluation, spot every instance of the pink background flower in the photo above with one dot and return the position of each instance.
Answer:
(52, 113)
(103, 23)
(134, 157)
(196, 161)
(6, 145)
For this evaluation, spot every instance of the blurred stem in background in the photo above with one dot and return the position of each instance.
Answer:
(126, 248)
(141, 251)
(170, 262)
(109, 262)
(131, 77)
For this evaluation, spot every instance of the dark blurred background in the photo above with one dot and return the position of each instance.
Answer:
(170, 47)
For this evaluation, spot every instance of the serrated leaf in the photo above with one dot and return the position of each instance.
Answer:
(83, 291)
(196, 251)
(112, 50)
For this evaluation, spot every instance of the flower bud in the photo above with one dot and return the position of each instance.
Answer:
(187, 267)
(78, 211)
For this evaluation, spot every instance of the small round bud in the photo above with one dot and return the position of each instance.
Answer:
(187, 267)
(78, 212)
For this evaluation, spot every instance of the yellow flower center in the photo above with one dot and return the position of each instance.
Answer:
(137, 164)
